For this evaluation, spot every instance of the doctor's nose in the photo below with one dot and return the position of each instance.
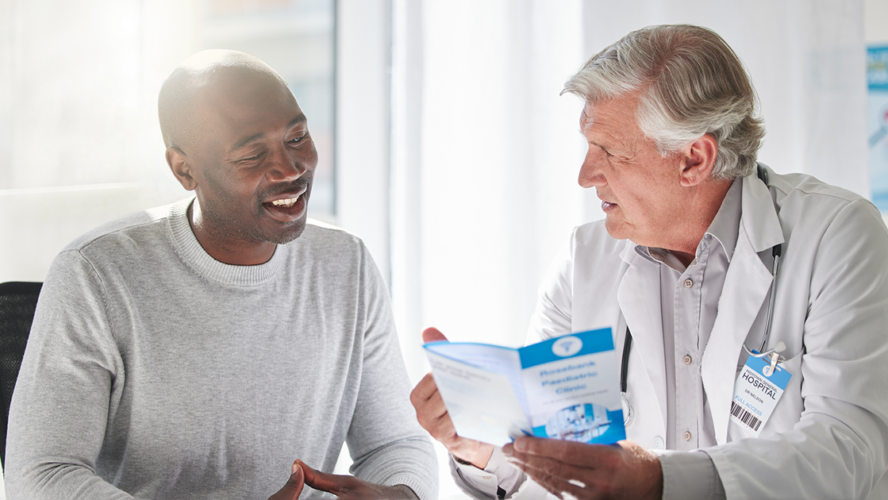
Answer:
(591, 174)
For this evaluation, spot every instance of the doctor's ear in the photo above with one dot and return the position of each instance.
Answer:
(181, 167)
(697, 160)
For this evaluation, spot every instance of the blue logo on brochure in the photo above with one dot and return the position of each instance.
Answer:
(575, 344)
(567, 346)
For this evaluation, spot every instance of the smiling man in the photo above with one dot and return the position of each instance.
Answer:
(710, 268)
(197, 350)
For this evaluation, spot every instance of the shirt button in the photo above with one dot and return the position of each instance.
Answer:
(689, 283)
(687, 359)
(686, 436)
(658, 443)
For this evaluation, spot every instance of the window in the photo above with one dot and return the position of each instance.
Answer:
(296, 38)
(80, 143)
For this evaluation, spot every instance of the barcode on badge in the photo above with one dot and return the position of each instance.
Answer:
(745, 417)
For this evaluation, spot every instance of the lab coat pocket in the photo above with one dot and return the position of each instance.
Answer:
(789, 409)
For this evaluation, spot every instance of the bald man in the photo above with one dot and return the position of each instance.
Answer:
(198, 350)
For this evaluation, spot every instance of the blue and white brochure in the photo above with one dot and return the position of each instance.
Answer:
(563, 388)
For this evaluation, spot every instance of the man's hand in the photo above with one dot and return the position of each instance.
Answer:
(578, 470)
(433, 417)
(293, 488)
(350, 487)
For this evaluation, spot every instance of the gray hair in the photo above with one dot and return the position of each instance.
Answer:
(690, 82)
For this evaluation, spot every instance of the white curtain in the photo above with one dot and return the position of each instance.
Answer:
(485, 152)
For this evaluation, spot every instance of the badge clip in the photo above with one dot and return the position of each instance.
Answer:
(775, 356)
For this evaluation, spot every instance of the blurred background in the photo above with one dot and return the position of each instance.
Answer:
(442, 137)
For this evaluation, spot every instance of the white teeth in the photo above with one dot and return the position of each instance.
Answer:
(285, 203)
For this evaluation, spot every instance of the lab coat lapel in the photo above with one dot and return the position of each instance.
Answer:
(746, 286)
(639, 299)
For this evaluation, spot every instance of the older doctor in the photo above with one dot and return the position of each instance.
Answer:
(685, 263)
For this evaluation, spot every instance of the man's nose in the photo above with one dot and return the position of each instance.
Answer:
(591, 174)
(285, 166)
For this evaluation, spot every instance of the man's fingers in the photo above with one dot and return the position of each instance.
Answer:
(432, 334)
(321, 480)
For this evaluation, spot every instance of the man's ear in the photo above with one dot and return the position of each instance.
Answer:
(181, 167)
(697, 160)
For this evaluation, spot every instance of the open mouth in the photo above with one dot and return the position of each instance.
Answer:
(286, 203)
(287, 208)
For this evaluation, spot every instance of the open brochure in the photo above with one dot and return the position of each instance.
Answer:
(563, 388)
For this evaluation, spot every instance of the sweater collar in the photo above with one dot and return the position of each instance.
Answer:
(194, 254)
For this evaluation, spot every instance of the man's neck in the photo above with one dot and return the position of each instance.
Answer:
(224, 248)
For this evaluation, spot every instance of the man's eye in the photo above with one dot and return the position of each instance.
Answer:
(251, 157)
(297, 140)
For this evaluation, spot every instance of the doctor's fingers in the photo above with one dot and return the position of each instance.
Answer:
(566, 489)
(558, 470)
(432, 415)
(627, 468)
(570, 452)
(425, 389)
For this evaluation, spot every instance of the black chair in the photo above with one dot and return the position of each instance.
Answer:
(18, 299)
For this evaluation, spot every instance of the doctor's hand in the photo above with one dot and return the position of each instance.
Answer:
(433, 416)
(579, 470)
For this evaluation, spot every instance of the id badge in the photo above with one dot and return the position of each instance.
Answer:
(756, 393)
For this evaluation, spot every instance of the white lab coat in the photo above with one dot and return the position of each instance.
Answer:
(828, 434)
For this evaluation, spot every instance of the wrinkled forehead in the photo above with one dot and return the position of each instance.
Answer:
(621, 110)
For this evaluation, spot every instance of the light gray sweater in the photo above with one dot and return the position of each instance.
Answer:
(155, 371)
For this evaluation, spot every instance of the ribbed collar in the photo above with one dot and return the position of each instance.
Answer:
(195, 256)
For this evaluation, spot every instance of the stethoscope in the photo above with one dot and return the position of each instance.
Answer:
(773, 353)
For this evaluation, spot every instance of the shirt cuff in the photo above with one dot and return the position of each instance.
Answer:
(499, 474)
(689, 475)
